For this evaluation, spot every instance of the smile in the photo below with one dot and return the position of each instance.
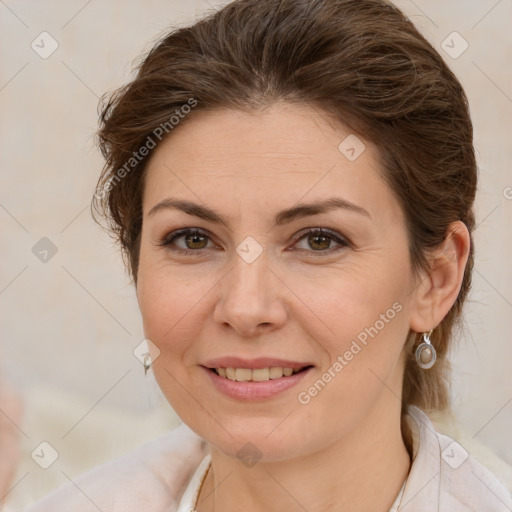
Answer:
(257, 383)
(256, 374)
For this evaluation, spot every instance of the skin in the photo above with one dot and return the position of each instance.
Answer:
(301, 300)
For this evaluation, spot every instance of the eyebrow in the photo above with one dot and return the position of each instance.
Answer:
(283, 217)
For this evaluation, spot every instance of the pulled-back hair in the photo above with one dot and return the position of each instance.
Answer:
(360, 62)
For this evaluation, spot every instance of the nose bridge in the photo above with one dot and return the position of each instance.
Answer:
(247, 279)
(249, 262)
(247, 298)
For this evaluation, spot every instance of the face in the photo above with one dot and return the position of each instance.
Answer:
(266, 249)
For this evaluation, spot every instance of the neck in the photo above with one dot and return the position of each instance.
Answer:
(363, 471)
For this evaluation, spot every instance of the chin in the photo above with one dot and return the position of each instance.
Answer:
(266, 439)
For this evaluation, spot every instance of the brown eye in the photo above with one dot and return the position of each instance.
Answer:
(192, 241)
(195, 241)
(321, 240)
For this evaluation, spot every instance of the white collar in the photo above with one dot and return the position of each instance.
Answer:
(442, 476)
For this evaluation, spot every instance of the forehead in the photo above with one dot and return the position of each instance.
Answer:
(277, 155)
(282, 132)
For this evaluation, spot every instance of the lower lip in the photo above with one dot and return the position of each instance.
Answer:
(253, 391)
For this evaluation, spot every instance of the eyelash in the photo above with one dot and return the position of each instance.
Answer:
(169, 239)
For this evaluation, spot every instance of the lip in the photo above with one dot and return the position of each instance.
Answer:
(251, 391)
(260, 362)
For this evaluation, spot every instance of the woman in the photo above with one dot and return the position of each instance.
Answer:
(292, 185)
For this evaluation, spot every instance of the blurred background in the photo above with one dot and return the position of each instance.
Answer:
(69, 319)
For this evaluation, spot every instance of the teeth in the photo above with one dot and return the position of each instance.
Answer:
(261, 374)
(243, 374)
(256, 375)
(276, 372)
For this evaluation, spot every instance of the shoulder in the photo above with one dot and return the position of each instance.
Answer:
(445, 475)
(154, 475)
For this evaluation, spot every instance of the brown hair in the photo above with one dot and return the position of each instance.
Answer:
(362, 63)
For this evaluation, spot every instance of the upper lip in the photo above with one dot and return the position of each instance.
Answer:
(260, 362)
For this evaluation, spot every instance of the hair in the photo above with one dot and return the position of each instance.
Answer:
(360, 62)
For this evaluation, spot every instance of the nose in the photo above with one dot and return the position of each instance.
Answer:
(251, 299)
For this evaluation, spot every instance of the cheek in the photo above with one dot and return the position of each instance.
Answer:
(368, 320)
(352, 297)
(170, 304)
(366, 313)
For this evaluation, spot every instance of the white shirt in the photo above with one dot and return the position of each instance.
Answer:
(442, 477)
(188, 501)
(165, 476)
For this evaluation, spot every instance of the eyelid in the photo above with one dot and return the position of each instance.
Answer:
(322, 230)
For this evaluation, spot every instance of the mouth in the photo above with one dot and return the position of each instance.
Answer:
(257, 379)
(257, 374)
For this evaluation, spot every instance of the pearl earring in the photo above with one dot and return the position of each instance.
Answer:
(426, 353)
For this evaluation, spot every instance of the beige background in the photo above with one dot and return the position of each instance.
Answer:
(68, 326)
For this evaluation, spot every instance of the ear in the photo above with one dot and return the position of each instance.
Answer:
(437, 290)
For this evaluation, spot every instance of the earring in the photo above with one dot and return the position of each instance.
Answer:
(426, 353)
(147, 363)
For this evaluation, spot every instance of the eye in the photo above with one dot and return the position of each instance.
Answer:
(194, 240)
(321, 240)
